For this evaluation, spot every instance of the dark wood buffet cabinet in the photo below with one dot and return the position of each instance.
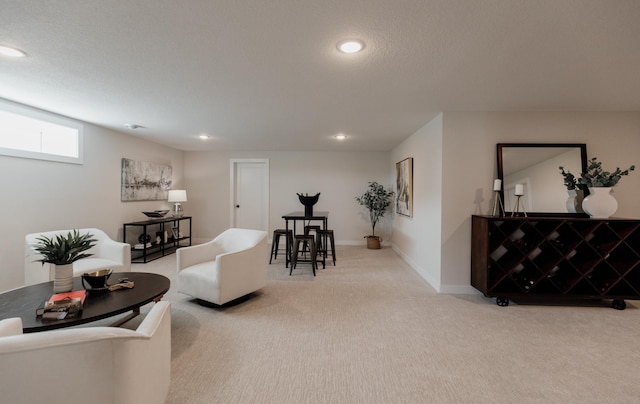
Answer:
(552, 257)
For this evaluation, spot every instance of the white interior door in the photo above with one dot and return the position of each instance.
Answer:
(250, 194)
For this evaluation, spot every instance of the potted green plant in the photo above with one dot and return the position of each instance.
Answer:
(62, 251)
(600, 203)
(376, 200)
(575, 191)
(596, 177)
(570, 181)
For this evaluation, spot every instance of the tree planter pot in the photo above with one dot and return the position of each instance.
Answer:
(373, 242)
(62, 278)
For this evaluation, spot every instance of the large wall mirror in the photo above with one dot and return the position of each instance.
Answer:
(535, 165)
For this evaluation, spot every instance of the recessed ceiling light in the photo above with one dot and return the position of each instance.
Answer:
(11, 52)
(340, 136)
(204, 137)
(351, 46)
(132, 126)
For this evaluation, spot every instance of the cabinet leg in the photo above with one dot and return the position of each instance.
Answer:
(502, 301)
(619, 304)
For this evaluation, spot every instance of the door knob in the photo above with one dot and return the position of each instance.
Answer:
(237, 206)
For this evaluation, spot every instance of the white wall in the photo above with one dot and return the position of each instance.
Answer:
(469, 167)
(41, 195)
(338, 176)
(454, 167)
(417, 239)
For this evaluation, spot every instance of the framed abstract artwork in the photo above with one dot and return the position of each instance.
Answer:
(404, 187)
(143, 181)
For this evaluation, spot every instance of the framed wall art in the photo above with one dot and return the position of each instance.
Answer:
(404, 187)
(144, 181)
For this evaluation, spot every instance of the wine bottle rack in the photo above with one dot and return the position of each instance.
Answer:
(552, 257)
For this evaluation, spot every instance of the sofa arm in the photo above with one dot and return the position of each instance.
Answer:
(145, 364)
(160, 312)
(116, 251)
(74, 336)
(11, 326)
(242, 269)
(239, 264)
(197, 254)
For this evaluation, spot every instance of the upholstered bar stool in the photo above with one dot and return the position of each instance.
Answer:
(276, 241)
(299, 243)
(328, 235)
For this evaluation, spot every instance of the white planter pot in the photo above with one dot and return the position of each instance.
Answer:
(62, 278)
(600, 204)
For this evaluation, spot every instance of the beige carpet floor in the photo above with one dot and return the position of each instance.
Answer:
(370, 330)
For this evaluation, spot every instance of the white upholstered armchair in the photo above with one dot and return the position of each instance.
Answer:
(98, 365)
(230, 266)
(107, 253)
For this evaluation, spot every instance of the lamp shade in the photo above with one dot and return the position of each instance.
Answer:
(177, 195)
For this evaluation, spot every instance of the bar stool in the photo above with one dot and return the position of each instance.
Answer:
(299, 243)
(316, 230)
(328, 234)
(276, 241)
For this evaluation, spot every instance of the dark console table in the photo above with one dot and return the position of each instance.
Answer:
(552, 257)
(173, 232)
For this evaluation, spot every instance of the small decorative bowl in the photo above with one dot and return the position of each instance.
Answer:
(156, 213)
(96, 279)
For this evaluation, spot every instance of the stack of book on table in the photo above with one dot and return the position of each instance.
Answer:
(62, 305)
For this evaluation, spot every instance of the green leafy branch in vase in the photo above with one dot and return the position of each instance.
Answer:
(595, 176)
(570, 180)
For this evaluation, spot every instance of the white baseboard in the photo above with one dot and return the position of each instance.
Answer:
(446, 289)
(459, 290)
(421, 271)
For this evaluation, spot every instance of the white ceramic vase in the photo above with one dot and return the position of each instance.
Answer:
(600, 204)
(62, 278)
(574, 201)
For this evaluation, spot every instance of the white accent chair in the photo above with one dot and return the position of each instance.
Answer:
(230, 266)
(89, 364)
(107, 253)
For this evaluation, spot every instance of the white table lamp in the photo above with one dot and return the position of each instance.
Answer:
(176, 196)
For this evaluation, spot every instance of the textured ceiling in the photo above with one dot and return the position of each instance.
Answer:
(266, 75)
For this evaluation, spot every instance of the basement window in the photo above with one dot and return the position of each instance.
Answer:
(35, 134)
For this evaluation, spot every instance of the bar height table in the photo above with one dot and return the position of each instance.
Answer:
(300, 216)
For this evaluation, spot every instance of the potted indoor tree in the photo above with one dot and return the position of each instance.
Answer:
(376, 200)
(62, 251)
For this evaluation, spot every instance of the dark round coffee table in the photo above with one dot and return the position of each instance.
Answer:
(23, 302)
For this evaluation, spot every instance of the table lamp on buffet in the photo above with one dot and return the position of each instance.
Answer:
(177, 196)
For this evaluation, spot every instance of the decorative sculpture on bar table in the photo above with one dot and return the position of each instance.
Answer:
(308, 202)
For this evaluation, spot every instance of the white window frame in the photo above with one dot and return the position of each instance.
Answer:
(46, 117)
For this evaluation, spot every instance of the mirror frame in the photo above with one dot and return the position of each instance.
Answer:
(583, 155)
